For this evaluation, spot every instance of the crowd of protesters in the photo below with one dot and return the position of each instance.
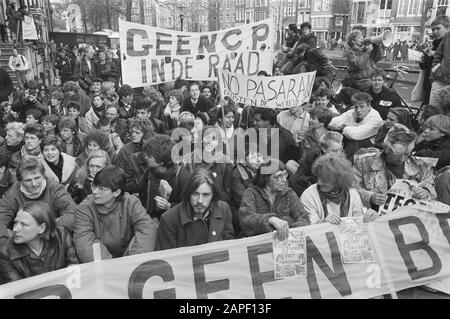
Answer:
(89, 162)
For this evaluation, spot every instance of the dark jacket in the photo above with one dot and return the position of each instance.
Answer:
(310, 40)
(287, 149)
(123, 113)
(436, 149)
(125, 230)
(18, 262)
(304, 177)
(241, 179)
(79, 194)
(6, 85)
(178, 229)
(176, 176)
(64, 65)
(426, 63)
(107, 72)
(384, 101)
(442, 56)
(23, 105)
(256, 210)
(133, 168)
(82, 99)
(203, 105)
(361, 63)
(77, 141)
(61, 204)
(82, 74)
(221, 170)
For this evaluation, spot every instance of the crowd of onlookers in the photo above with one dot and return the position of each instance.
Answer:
(91, 168)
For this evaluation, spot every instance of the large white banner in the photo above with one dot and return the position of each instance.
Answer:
(153, 55)
(411, 248)
(270, 92)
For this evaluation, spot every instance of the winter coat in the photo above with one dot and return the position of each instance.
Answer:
(442, 56)
(77, 141)
(134, 169)
(79, 194)
(82, 99)
(436, 149)
(203, 105)
(311, 201)
(241, 179)
(310, 40)
(61, 204)
(177, 177)
(361, 63)
(373, 178)
(69, 170)
(6, 85)
(17, 261)
(125, 230)
(83, 75)
(107, 72)
(426, 63)
(23, 105)
(304, 177)
(256, 210)
(64, 65)
(178, 229)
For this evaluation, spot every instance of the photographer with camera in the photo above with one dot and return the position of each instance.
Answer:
(19, 64)
(362, 54)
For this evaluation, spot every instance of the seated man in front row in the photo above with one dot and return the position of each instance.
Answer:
(359, 125)
(383, 98)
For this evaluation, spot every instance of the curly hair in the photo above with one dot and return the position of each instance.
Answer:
(336, 170)
(51, 140)
(35, 129)
(17, 127)
(152, 94)
(71, 86)
(352, 36)
(160, 147)
(177, 94)
(98, 137)
(125, 90)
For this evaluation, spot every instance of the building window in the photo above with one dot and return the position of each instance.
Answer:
(228, 18)
(402, 28)
(414, 7)
(442, 7)
(339, 21)
(319, 5)
(234, 17)
(267, 14)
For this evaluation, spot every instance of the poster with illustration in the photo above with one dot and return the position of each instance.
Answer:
(289, 256)
(355, 241)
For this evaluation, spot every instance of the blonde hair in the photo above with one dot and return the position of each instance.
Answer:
(84, 170)
(17, 127)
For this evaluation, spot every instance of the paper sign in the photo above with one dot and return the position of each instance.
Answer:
(289, 256)
(355, 241)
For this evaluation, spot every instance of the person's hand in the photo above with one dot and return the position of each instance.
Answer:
(332, 219)
(419, 193)
(162, 203)
(370, 216)
(378, 199)
(281, 226)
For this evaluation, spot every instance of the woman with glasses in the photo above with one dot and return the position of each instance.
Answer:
(80, 187)
(330, 143)
(111, 221)
(436, 140)
(378, 171)
(333, 196)
(270, 204)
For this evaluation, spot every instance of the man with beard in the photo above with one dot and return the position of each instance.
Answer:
(199, 219)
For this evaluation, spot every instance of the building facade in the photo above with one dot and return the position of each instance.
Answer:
(321, 16)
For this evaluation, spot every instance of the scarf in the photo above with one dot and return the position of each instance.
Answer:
(342, 197)
(35, 152)
(15, 148)
(32, 196)
(98, 111)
